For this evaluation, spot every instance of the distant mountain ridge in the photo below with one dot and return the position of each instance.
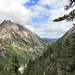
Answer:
(52, 40)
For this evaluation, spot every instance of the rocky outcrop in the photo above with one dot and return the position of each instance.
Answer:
(2, 50)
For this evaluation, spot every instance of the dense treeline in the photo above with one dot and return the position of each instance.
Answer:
(9, 67)
(58, 59)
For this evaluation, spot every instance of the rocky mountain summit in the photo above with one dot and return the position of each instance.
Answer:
(19, 36)
(19, 39)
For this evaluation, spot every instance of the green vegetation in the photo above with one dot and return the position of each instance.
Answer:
(13, 57)
(58, 59)
(45, 42)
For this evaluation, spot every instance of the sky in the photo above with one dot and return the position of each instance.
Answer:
(37, 16)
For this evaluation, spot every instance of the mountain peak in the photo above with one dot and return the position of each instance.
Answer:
(10, 30)
(20, 38)
(7, 22)
(7, 26)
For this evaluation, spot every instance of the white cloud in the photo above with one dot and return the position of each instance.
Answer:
(53, 3)
(33, 2)
(48, 28)
(30, 28)
(57, 9)
(55, 13)
(15, 11)
(53, 30)
(20, 1)
(38, 11)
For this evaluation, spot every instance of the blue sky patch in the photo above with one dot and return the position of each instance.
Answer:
(48, 7)
(43, 18)
(31, 3)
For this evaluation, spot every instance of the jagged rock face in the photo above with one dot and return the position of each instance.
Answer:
(18, 36)
(2, 50)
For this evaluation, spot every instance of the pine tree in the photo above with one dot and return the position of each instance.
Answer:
(15, 64)
(71, 15)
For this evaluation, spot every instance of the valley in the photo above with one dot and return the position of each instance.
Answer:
(17, 51)
(37, 37)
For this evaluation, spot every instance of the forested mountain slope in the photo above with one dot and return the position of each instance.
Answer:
(58, 59)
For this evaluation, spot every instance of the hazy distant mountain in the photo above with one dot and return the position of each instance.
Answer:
(51, 40)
